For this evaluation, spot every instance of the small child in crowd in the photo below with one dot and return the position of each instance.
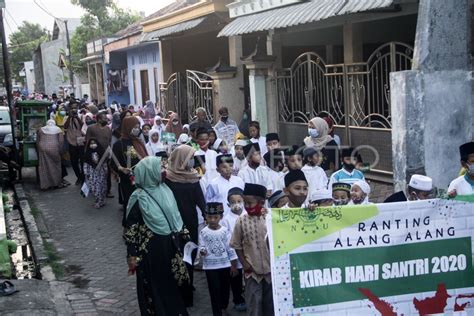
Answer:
(95, 171)
(250, 242)
(235, 199)
(348, 173)
(317, 178)
(278, 199)
(341, 193)
(294, 159)
(321, 198)
(219, 260)
(296, 187)
(360, 193)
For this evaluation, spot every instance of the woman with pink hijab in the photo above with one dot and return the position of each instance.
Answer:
(174, 125)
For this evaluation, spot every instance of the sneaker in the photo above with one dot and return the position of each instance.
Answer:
(240, 307)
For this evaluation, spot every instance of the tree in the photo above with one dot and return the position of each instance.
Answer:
(23, 43)
(102, 18)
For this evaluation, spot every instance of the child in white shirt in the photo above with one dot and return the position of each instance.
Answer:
(219, 260)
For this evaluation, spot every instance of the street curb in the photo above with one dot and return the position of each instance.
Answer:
(37, 245)
(3, 226)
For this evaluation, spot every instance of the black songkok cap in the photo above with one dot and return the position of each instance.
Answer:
(235, 191)
(214, 208)
(341, 186)
(224, 159)
(255, 190)
(294, 150)
(161, 154)
(348, 152)
(466, 149)
(294, 175)
(251, 148)
(309, 152)
(272, 136)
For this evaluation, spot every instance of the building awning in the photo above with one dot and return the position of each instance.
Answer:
(177, 28)
(302, 13)
(89, 58)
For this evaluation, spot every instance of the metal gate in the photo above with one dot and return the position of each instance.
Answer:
(356, 96)
(184, 93)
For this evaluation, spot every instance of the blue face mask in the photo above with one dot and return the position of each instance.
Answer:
(313, 133)
(470, 169)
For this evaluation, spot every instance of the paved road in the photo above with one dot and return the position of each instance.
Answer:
(90, 243)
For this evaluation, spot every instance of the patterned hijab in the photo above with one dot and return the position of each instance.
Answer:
(178, 170)
(155, 199)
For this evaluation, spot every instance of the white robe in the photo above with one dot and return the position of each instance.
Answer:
(260, 176)
(461, 186)
(218, 189)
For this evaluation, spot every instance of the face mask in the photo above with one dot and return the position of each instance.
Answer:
(103, 123)
(191, 163)
(135, 131)
(237, 208)
(93, 146)
(203, 143)
(349, 167)
(255, 211)
(175, 123)
(90, 123)
(62, 113)
(224, 118)
(470, 170)
(313, 133)
(341, 202)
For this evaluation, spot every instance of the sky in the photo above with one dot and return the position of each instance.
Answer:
(18, 11)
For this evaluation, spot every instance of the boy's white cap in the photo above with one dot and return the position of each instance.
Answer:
(420, 182)
(241, 142)
(321, 194)
(364, 186)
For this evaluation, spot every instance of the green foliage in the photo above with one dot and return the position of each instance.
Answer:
(102, 18)
(23, 42)
(53, 259)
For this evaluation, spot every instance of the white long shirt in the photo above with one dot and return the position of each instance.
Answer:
(261, 176)
(238, 165)
(461, 186)
(262, 142)
(211, 168)
(277, 179)
(219, 187)
(316, 177)
(216, 243)
(228, 222)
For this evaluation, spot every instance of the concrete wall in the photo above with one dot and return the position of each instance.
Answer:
(38, 66)
(30, 76)
(140, 59)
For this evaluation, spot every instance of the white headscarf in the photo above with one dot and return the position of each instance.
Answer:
(152, 147)
(323, 138)
(51, 128)
(365, 187)
(158, 127)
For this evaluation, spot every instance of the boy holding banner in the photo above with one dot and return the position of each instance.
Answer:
(249, 240)
(464, 185)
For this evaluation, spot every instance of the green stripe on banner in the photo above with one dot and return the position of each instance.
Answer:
(465, 198)
(328, 277)
(306, 226)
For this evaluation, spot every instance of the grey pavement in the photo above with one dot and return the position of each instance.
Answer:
(89, 241)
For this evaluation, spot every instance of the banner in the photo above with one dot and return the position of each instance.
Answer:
(409, 258)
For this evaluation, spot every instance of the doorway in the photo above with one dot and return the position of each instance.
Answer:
(145, 86)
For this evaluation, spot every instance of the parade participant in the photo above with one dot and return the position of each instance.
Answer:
(76, 142)
(174, 125)
(319, 138)
(219, 259)
(249, 240)
(255, 173)
(184, 137)
(87, 120)
(212, 137)
(321, 197)
(149, 111)
(128, 151)
(341, 193)
(60, 117)
(226, 129)
(275, 163)
(360, 191)
(348, 173)
(96, 171)
(464, 185)
(158, 124)
(420, 187)
(146, 132)
(254, 131)
(296, 188)
(235, 201)
(278, 199)
(201, 119)
(183, 180)
(154, 145)
(218, 188)
(202, 137)
(239, 157)
(294, 158)
(315, 175)
(152, 218)
(193, 127)
(273, 141)
(49, 143)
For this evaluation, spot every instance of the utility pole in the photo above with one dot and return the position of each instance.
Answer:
(8, 79)
(69, 57)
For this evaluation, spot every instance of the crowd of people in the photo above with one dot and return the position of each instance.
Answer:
(208, 185)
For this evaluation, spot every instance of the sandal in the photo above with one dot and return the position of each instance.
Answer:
(7, 288)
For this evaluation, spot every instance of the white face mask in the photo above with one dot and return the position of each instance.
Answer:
(237, 208)
(135, 131)
(93, 146)
(175, 123)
